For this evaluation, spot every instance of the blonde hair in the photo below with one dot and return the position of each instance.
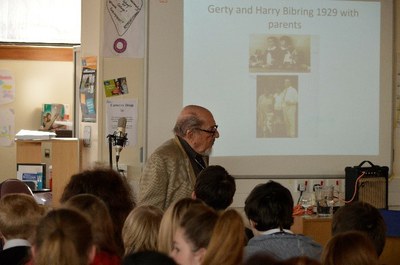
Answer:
(170, 222)
(350, 248)
(97, 213)
(140, 229)
(63, 237)
(19, 215)
(227, 240)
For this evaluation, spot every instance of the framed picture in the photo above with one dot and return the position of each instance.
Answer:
(34, 175)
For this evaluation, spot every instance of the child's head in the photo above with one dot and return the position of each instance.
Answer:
(63, 236)
(19, 215)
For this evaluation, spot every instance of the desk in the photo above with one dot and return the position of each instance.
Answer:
(64, 157)
(319, 229)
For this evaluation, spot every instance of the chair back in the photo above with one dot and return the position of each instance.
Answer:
(14, 186)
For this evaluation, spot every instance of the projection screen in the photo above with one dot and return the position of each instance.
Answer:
(298, 88)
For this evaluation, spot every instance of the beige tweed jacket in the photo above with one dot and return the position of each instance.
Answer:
(167, 176)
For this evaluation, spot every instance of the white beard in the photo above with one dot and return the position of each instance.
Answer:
(208, 152)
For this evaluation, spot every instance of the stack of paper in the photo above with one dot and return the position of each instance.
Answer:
(34, 135)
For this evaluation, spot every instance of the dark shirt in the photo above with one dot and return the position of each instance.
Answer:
(196, 159)
(15, 255)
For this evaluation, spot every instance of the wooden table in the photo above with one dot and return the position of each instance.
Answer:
(319, 229)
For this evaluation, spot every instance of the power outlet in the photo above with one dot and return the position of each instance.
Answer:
(318, 182)
(300, 185)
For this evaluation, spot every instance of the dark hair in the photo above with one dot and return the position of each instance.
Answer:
(350, 248)
(361, 216)
(215, 187)
(261, 258)
(148, 258)
(109, 186)
(198, 224)
(269, 206)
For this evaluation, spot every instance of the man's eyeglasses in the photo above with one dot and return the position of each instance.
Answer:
(211, 131)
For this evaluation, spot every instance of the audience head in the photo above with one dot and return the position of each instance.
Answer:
(170, 222)
(19, 215)
(302, 260)
(141, 228)
(63, 237)
(109, 186)
(261, 258)
(227, 240)
(269, 206)
(215, 187)
(350, 248)
(197, 126)
(148, 257)
(96, 211)
(363, 217)
(193, 235)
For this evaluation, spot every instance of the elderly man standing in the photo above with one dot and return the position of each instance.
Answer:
(170, 172)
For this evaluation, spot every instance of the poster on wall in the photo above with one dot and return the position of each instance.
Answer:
(87, 89)
(7, 127)
(115, 87)
(124, 27)
(123, 108)
(7, 87)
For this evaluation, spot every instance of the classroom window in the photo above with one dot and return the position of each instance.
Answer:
(40, 21)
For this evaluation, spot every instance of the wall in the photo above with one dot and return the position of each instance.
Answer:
(110, 68)
(36, 82)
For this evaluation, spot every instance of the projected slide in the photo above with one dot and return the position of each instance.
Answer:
(285, 77)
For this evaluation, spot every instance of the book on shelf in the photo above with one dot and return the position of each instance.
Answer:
(55, 117)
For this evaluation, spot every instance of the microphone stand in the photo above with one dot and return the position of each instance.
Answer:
(111, 139)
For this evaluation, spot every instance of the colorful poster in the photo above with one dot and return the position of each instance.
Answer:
(115, 87)
(87, 90)
(7, 87)
(7, 127)
(124, 26)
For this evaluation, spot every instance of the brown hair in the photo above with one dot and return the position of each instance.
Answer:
(63, 237)
(302, 260)
(19, 215)
(350, 248)
(109, 186)
(364, 217)
(97, 213)
(227, 240)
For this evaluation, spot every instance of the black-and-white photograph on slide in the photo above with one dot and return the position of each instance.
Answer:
(277, 106)
(279, 53)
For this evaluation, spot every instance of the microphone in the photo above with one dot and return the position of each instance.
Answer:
(120, 136)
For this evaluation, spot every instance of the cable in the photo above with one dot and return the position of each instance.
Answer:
(355, 188)
(301, 194)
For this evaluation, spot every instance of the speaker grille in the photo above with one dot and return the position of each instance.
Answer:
(373, 191)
